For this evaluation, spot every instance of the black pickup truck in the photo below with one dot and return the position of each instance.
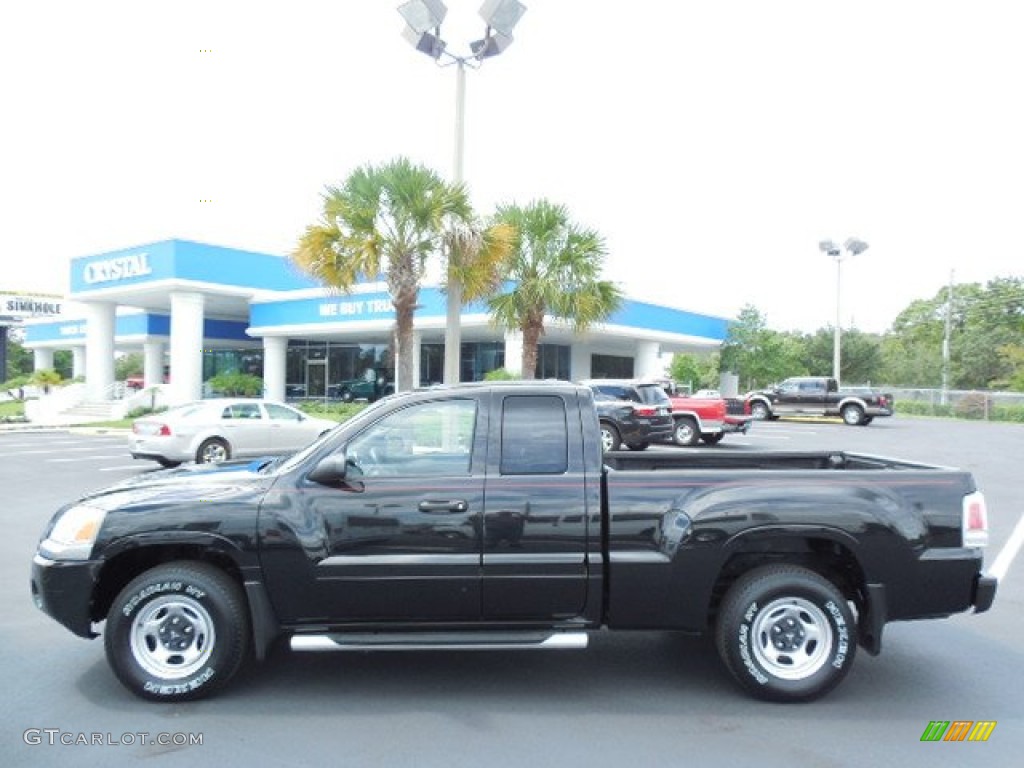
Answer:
(487, 516)
(819, 396)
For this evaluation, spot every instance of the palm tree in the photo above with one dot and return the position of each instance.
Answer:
(554, 271)
(384, 221)
(478, 256)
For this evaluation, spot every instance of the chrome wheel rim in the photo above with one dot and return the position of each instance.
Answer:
(684, 433)
(214, 453)
(172, 637)
(851, 416)
(607, 438)
(759, 411)
(791, 638)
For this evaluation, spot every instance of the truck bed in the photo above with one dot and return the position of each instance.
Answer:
(623, 460)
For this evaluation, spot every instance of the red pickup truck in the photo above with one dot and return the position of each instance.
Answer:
(706, 417)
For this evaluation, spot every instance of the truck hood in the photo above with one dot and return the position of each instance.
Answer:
(193, 482)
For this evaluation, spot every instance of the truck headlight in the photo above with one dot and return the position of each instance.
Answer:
(73, 534)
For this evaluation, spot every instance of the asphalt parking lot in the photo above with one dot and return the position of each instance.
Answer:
(642, 698)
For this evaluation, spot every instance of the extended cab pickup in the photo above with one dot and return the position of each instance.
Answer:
(703, 417)
(820, 396)
(487, 516)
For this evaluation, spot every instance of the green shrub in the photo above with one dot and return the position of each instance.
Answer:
(237, 385)
(501, 374)
(336, 411)
(45, 377)
(136, 413)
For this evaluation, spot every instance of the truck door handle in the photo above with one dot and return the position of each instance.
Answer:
(442, 507)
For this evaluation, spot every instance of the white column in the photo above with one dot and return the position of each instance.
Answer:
(99, 350)
(514, 352)
(152, 364)
(42, 359)
(417, 354)
(186, 347)
(579, 361)
(275, 357)
(647, 364)
(77, 362)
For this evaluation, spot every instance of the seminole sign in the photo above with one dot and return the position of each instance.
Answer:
(119, 268)
(18, 305)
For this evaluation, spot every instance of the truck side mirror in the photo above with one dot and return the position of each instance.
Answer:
(331, 470)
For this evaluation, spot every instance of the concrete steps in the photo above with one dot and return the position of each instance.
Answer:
(88, 412)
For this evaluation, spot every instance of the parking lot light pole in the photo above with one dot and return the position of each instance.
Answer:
(423, 31)
(852, 246)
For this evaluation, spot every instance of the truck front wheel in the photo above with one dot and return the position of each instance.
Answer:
(786, 633)
(177, 632)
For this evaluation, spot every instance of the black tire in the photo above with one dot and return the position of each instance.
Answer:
(610, 439)
(866, 420)
(186, 606)
(852, 414)
(713, 439)
(814, 629)
(685, 431)
(213, 450)
(167, 463)
(638, 446)
(346, 395)
(761, 411)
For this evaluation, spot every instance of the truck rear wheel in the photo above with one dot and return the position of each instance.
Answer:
(760, 410)
(786, 633)
(853, 415)
(177, 632)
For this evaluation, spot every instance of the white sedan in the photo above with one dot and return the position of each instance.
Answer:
(212, 431)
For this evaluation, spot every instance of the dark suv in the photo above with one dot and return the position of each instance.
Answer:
(632, 413)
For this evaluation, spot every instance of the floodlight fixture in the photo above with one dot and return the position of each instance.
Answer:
(423, 15)
(828, 247)
(855, 246)
(425, 42)
(502, 15)
(491, 45)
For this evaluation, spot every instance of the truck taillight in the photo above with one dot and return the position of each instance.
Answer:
(975, 520)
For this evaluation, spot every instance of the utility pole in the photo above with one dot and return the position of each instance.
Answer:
(945, 338)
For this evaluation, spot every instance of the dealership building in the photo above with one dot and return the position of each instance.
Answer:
(196, 310)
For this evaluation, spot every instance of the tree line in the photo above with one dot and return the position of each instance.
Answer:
(985, 338)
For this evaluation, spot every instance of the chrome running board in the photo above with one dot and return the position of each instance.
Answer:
(440, 641)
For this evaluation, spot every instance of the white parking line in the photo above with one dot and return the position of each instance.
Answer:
(62, 450)
(1009, 551)
(104, 457)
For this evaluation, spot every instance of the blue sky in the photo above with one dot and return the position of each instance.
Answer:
(712, 144)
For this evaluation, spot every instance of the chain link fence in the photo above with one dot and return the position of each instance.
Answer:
(960, 403)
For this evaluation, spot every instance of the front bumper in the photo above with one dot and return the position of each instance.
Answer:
(64, 590)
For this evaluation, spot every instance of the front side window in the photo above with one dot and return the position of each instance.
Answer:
(433, 438)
